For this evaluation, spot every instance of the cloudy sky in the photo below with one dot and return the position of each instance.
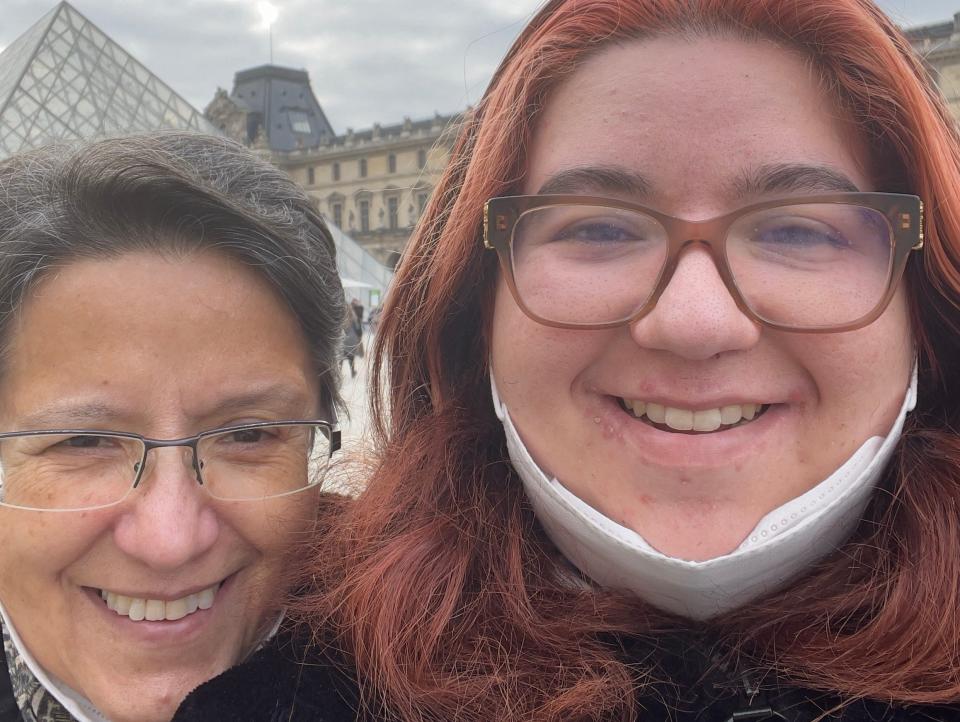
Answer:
(369, 60)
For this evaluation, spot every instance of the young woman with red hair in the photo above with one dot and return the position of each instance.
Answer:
(670, 428)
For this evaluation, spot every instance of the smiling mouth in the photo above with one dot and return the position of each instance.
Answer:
(688, 421)
(139, 609)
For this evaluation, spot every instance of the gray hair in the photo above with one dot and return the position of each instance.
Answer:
(171, 193)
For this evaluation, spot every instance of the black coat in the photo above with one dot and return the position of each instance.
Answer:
(8, 706)
(273, 687)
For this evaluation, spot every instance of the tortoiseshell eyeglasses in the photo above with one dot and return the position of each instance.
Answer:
(824, 263)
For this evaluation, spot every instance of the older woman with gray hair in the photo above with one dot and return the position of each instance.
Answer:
(170, 320)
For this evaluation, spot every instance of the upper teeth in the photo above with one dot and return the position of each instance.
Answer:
(157, 610)
(689, 420)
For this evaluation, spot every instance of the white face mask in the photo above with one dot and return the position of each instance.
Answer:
(785, 542)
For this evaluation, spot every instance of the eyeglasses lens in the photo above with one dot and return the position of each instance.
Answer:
(67, 471)
(71, 471)
(264, 461)
(811, 265)
(805, 266)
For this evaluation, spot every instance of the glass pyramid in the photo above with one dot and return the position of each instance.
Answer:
(64, 79)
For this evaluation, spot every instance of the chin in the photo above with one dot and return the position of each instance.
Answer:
(160, 709)
(696, 541)
(153, 697)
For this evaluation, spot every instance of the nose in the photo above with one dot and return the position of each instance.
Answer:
(170, 520)
(696, 318)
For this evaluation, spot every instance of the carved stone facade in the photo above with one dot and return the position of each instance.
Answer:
(375, 183)
(227, 115)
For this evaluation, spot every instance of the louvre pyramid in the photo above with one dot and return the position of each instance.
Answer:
(64, 79)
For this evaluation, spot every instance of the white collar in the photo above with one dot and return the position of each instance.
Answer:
(75, 703)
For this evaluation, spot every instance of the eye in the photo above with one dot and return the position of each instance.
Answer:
(586, 226)
(248, 436)
(799, 233)
(599, 231)
(84, 442)
(76, 445)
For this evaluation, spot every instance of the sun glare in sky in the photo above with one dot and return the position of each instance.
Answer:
(268, 13)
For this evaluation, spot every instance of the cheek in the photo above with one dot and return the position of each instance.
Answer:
(273, 526)
(862, 374)
(543, 370)
(38, 551)
(526, 358)
(521, 347)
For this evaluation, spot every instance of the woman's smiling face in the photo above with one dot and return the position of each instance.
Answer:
(166, 347)
(702, 127)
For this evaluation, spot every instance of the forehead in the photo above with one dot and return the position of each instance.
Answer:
(151, 334)
(693, 117)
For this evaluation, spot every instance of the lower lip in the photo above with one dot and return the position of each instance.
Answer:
(179, 631)
(687, 451)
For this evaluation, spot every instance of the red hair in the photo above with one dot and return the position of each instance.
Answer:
(438, 582)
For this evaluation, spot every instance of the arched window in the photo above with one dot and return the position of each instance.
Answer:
(364, 216)
(393, 213)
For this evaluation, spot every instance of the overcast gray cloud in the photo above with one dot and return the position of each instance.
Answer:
(369, 60)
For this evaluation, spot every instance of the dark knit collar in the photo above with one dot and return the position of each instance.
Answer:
(279, 682)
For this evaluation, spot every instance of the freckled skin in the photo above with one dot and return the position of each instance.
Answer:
(692, 116)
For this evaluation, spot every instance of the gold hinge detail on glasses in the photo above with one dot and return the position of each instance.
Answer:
(486, 226)
(919, 244)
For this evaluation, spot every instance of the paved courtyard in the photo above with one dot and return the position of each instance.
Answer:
(355, 394)
(348, 469)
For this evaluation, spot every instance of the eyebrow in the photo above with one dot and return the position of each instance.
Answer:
(792, 178)
(772, 179)
(68, 414)
(596, 179)
(279, 396)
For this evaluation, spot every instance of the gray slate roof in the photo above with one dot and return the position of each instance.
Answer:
(281, 102)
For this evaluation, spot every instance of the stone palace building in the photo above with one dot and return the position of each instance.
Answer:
(373, 184)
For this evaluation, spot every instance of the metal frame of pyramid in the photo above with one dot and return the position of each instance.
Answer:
(65, 79)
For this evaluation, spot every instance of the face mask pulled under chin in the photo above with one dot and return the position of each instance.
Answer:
(784, 543)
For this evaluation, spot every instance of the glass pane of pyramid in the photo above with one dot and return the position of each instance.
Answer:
(64, 79)
(16, 56)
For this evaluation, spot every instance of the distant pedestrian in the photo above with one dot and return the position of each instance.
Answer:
(357, 309)
(373, 318)
(352, 339)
